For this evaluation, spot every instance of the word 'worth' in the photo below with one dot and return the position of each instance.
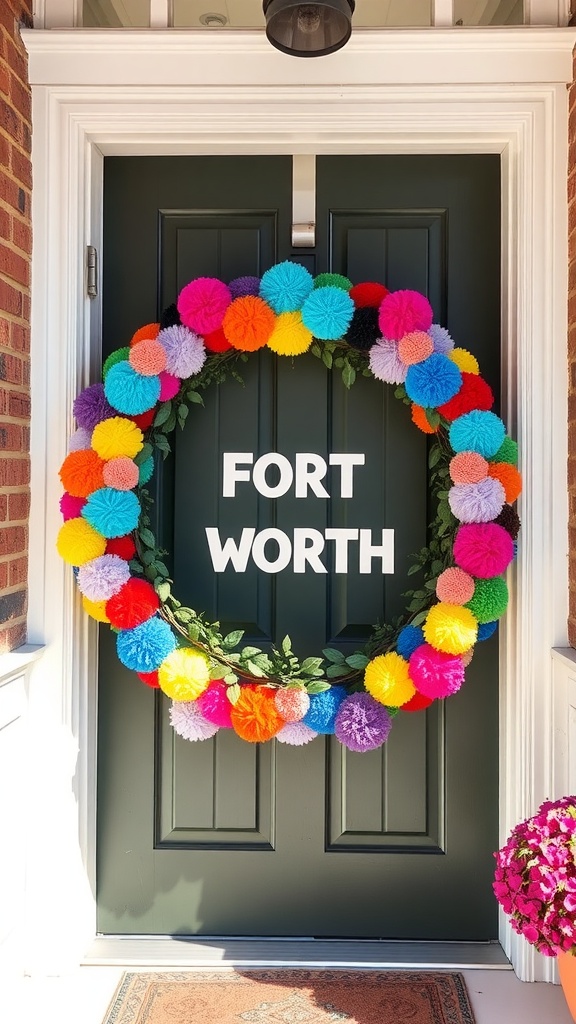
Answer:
(307, 544)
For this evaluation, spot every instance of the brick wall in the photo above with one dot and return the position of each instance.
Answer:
(15, 255)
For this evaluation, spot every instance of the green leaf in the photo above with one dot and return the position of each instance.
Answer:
(348, 374)
(263, 661)
(333, 671)
(183, 615)
(418, 619)
(333, 655)
(151, 572)
(233, 693)
(183, 411)
(357, 660)
(317, 686)
(413, 569)
(195, 398)
(435, 456)
(400, 392)
(230, 678)
(194, 631)
(162, 568)
(327, 358)
(147, 557)
(433, 418)
(310, 665)
(163, 444)
(163, 414)
(286, 645)
(163, 590)
(233, 638)
(247, 652)
(254, 669)
(316, 350)
(147, 538)
(145, 452)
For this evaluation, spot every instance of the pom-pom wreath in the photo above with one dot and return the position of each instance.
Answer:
(296, 734)
(486, 630)
(362, 723)
(81, 473)
(507, 452)
(433, 382)
(286, 286)
(415, 347)
(254, 715)
(145, 419)
(364, 330)
(184, 674)
(421, 420)
(148, 357)
(333, 281)
(475, 393)
(436, 674)
(450, 628)
(477, 431)
(386, 678)
(122, 546)
(78, 543)
(95, 609)
(121, 473)
(169, 386)
(217, 341)
(80, 440)
(328, 312)
(402, 312)
(510, 520)
(117, 436)
(490, 599)
(134, 603)
(467, 657)
(483, 549)
(129, 392)
(103, 577)
(70, 506)
(477, 503)
(441, 339)
(185, 351)
(113, 513)
(91, 406)
(146, 333)
(291, 704)
(468, 468)
(187, 720)
(203, 303)
(120, 355)
(464, 360)
(290, 337)
(244, 286)
(321, 714)
(146, 471)
(409, 639)
(215, 706)
(149, 679)
(509, 477)
(454, 586)
(170, 317)
(248, 323)
(368, 293)
(385, 363)
(417, 703)
(144, 648)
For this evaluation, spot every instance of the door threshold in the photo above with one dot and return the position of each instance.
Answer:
(229, 953)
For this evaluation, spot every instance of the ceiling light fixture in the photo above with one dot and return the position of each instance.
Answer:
(213, 20)
(308, 29)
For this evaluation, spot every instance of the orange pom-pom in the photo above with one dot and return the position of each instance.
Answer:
(255, 717)
(145, 333)
(82, 472)
(421, 420)
(248, 323)
(509, 477)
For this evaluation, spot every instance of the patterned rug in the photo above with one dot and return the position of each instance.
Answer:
(291, 997)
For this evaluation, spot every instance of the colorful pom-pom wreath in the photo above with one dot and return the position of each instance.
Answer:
(111, 547)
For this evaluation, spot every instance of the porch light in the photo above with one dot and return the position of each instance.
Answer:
(308, 29)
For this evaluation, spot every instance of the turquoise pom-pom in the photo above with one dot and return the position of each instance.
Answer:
(146, 471)
(328, 312)
(477, 431)
(286, 286)
(113, 513)
(486, 630)
(144, 648)
(433, 382)
(409, 639)
(321, 714)
(129, 392)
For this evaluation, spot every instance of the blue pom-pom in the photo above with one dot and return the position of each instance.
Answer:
(477, 431)
(146, 471)
(144, 648)
(434, 381)
(321, 714)
(328, 312)
(286, 286)
(130, 392)
(486, 630)
(409, 639)
(113, 513)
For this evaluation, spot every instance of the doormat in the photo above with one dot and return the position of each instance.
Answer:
(291, 997)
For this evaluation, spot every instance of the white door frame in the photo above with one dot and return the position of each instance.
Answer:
(432, 91)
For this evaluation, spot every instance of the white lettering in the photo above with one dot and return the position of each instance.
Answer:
(341, 539)
(259, 475)
(310, 470)
(231, 473)
(284, 550)
(237, 554)
(304, 552)
(346, 461)
(385, 551)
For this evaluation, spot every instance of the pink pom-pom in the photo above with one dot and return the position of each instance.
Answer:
(434, 673)
(121, 473)
(483, 549)
(415, 347)
(468, 468)
(454, 586)
(214, 704)
(148, 357)
(402, 312)
(202, 304)
(70, 506)
(292, 705)
(386, 364)
(169, 386)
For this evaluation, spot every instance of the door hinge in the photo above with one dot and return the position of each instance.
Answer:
(91, 271)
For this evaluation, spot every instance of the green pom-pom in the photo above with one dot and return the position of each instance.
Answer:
(507, 452)
(333, 280)
(490, 599)
(113, 358)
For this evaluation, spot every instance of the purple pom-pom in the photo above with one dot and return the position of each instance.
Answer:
(385, 362)
(441, 340)
(91, 407)
(103, 577)
(296, 734)
(189, 722)
(362, 723)
(185, 352)
(477, 503)
(81, 440)
(244, 286)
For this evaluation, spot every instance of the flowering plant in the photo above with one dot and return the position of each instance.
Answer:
(535, 879)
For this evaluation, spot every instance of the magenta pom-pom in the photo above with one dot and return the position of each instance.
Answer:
(402, 312)
(70, 506)
(386, 364)
(91, 407)
(477, 503)
(483, 549)
(202, 304)
(434, 673)
(169, 386)
(215, 706)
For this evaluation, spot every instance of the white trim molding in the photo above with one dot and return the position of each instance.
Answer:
(434, 91)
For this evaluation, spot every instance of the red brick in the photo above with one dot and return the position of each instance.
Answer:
(3, 575)
(8, 18)
(21, 98)
(10, 302)
(14, 266)
(21, 167)
(10, 366)
(19, 337)
(5, 224)
(17, 571)
(12, 637)
(12, 437)
(10, 120)
(12, 540)
(14, 472)
(16, 59)
(18, 505)
(22, 236)
(19, 405)
(10, 192)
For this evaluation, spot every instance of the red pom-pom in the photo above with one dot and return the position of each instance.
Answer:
(150, 678)
(368, 293)
(122, 546)
(417, 703)
(217, 341)
(475, 393)
(135, 602)
(144, 420)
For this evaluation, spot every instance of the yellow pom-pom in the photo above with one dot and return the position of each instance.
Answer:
(290, 337)
(450, 628)
(78, 542)
(184, 674)
(387, 679)
(464, 360)
(96, 609)
(117, 436)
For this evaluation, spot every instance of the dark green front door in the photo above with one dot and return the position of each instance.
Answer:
(222, 837)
